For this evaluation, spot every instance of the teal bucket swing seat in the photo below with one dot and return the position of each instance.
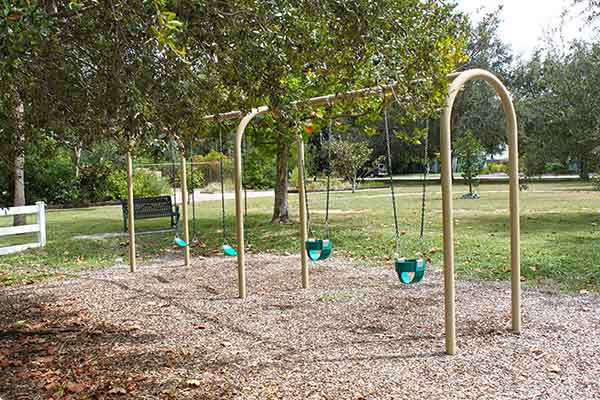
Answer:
(405, 267)
(318, 250)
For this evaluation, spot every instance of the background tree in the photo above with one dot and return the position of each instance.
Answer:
(71, 70)
(478, 109)
(471, 158)
(348, 158)
(557, 99)
(144, 73)
(275, 53)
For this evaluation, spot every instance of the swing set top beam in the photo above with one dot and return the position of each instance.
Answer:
(316, 101)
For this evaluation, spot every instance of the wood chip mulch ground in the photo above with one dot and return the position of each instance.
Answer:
(168, 332)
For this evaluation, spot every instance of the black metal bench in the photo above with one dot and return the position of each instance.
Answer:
(151, 207)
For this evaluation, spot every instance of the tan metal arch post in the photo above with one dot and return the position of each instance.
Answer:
(239, 209)
(459, 80)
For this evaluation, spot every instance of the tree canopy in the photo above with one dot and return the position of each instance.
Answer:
(559, 107)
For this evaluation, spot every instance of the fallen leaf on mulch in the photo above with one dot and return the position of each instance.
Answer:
(43, 360)
(555, 369)
(171, 392)
(20, 324)
(117, 390)
(51, 387)
(134, 328)
(193, 382)
(536, 350)
(75, 388)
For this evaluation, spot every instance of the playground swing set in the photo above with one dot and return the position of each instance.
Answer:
(319, 249)
(154, 207)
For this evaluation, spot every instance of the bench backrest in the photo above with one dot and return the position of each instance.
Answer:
(150, 207)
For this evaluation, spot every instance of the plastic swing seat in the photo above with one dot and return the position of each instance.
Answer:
(229, 251)
(318, 250)
(180, 242)
(404, 267)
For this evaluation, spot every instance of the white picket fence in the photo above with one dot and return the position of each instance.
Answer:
(40, 227)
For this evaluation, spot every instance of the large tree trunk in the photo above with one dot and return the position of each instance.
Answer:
(280, 207)
(19, 163)
(77, 158)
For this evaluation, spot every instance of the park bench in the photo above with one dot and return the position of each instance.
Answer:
(151, 207)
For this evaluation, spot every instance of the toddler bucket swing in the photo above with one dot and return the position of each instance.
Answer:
(228, 250)
(409, 270)
(320, 249)
(177, 239)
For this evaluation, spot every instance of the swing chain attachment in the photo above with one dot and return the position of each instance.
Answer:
(389, 165)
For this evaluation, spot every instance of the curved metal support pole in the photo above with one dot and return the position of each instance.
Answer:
(239, 209)
(458, 81)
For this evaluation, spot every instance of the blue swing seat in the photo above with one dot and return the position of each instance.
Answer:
(180, 242)
(229, 250)
(318, 249)
(404, 267)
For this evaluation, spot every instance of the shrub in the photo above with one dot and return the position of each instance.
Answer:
(146, 183)
(195, 178)
(51, 180)
(208, 166)
(259, 172)
(94, 183)
(495, 168)
(555, 168)
(596, 182)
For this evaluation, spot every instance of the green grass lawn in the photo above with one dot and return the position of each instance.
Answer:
(560, 233)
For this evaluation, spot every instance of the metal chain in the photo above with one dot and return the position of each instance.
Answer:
(389, 162)
(244, 155)
(308, 224)
(174, 179)
(425, 174)
(330, 132)
(193, 191)
(173, 172)
(221, 173)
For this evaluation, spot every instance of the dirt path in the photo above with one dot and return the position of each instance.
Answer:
(168, 332)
